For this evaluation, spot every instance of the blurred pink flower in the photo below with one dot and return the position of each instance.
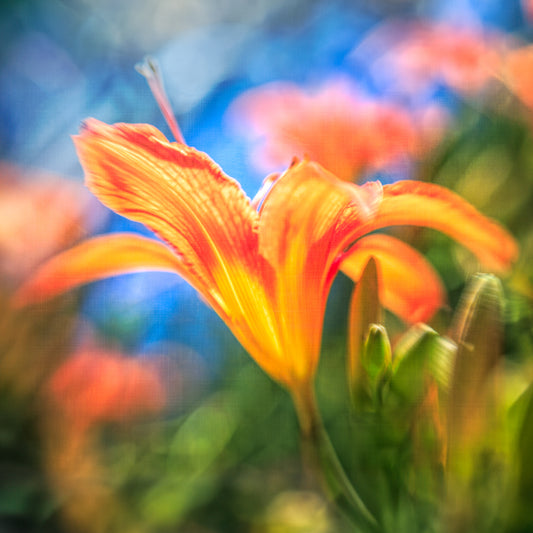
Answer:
(40, 214)
(94, 386)
(415, 55)
(338, 126)
(527, 7)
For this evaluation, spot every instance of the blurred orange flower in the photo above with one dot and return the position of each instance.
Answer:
(417, 54)
(41, 214)
(267, 273)
(94, 386)
(517, 73)
(337, 126)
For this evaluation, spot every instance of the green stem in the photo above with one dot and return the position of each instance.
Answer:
(318, 446)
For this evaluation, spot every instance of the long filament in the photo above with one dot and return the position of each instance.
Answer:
(150, 70)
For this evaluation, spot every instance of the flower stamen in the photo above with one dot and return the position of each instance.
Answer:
(150, 70)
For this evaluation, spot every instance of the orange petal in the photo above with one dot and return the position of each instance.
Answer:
(98, 258)
(204, 215)
(298, 236)
(425, 204)
(176, 191)
(409, 286)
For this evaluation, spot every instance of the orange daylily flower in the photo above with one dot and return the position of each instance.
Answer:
(266, 272)
(345, 131)
(95, 386)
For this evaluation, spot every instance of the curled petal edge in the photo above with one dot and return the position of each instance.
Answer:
(415, 203)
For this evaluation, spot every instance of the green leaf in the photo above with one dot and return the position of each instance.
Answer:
(520, 517)
(478, 333)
